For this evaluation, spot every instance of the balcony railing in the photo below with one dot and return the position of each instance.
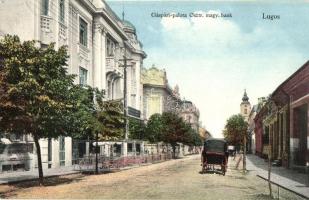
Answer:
(113, 66)
(46, 23)
(62, 31)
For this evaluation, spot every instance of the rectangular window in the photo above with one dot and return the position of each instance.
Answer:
(45, 6)
(130, 147)
(62, 151)
(82, 32)
(138, 148)
(110, 48)
(61, 11)
(82, 76)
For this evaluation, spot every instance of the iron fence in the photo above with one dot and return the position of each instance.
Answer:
(88, 163)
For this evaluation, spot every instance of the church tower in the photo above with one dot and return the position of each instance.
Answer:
(245, 106)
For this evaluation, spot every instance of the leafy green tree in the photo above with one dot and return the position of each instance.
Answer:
(236, 133)
(111, 118)
(95, 116)
(137, 129)
(154, 128)
(235, 130)
(36, 91)
(195, 139)
(174, 130)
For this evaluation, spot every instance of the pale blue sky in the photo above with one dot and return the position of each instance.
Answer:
(214, 60)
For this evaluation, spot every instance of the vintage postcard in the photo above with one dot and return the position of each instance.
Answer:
(154, 99)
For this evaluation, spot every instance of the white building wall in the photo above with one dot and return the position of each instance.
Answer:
(55, 153)
(23, 18)
(68, 151)
(44, 153)
(20, 18)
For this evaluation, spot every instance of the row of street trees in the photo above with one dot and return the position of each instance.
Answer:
(39, 98)
(168, 128)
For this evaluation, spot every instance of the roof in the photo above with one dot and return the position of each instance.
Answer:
(128, 25)
(288, 79)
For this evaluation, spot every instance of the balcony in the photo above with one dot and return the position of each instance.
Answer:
(62, 31)
(46, 29)
(46, 23)
(113, 66)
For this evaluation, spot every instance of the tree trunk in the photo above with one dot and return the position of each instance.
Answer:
(38, 152)
(244, 156)
(96, 154)
(174, 151)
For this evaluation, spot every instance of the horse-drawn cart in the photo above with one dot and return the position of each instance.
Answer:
(214, 153)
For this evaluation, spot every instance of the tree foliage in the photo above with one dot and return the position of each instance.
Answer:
(172, 129)
(154, 128)
(111, 118)
(235, 130)
(38, 97)
(36, 93)
(137, 129)
(95, 115)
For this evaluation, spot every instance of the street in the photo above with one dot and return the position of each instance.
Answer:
(176, 179)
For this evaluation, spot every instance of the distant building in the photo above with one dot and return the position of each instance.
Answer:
(190, 113)
(245, 107)
(261, 133)
(158, 96)
(253, 140)
(251, 133)
(204, 134)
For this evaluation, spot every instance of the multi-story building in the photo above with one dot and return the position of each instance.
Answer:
(245, 107)
(190, 113)
(251, 133)
(203, 133)
(158, 97)
(282, 122)
(99, 44)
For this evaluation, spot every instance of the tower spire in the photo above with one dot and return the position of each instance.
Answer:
(245, 98)
(122, 11)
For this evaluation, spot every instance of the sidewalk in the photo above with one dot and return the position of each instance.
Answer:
(13, 177)
(288, 179)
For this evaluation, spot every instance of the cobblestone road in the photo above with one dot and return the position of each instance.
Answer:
(176, 179)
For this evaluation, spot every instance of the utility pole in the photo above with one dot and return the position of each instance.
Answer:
(125, 106)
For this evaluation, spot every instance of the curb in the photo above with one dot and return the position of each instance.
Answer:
(81, 172)
(37, 178)
(279, 185)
